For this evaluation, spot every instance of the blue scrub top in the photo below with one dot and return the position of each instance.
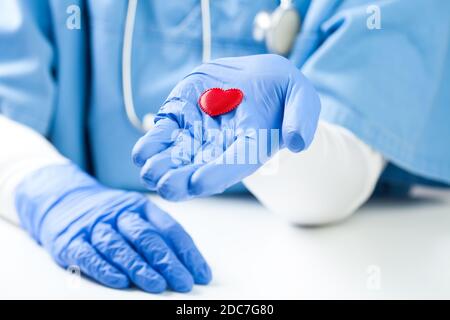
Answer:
(390, 86)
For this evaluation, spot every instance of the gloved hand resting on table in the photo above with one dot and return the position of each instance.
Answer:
(190, 153)
(115, 237)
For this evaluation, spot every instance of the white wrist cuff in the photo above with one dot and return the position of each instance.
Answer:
(23, 151)
(325, 183)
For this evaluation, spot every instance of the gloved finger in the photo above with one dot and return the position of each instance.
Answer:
(145, 238)
(181, 105)
(115, 249)
(80, 253)
(238, 161)
(155, 167)
(209, 152)
(301, 113)
(174, 185)
(179, 154)
(155, 140)
(181, 243)
(212, 177)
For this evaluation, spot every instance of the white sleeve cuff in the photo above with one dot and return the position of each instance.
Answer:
(323, 184)
(22, 152)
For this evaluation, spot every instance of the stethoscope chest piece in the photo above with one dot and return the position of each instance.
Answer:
(278, 29)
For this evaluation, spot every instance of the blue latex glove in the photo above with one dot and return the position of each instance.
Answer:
(180, 160)
(115, 237)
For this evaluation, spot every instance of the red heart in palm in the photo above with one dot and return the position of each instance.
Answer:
(217, 101)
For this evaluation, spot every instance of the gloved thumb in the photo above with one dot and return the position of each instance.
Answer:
(301, 113)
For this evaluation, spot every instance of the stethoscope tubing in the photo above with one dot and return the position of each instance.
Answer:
(127, 88)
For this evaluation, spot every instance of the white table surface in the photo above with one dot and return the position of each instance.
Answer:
(389, 249)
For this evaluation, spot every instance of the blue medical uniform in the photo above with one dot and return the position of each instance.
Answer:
(390, 86)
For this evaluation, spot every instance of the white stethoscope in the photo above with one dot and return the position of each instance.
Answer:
(278, 29)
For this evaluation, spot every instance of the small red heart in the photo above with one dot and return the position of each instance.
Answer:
(217, 101)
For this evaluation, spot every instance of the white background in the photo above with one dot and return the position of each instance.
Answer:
(389, 249)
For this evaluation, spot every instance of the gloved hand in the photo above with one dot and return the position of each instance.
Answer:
(189, 153)
(113, 236)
